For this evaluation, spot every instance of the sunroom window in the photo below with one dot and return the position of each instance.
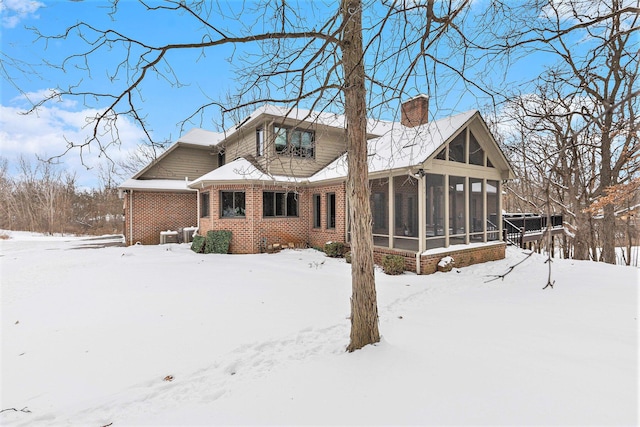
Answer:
(476, 153)
(457, 149)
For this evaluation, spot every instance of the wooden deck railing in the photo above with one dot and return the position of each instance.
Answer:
(520, 229)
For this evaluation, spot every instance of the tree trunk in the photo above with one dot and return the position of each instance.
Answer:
(364, 309)
(607, 179)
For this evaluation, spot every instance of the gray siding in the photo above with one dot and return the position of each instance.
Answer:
(329, 144)
(183, 162)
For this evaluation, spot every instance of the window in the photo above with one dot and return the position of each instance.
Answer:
(259, 142)
(204, 205)
(279, 204)
(232, 204)
(457, 217)
(294, 142)
(476, 208)
(331, 210)
(493, 211)
(476, 153)
(221, 158)
(435, 211)
(457, 152)
(316, 211)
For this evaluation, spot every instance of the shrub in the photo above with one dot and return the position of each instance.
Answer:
(393, 264)
(347, 257)
(217, 242)
(334, 249)
(198, 243)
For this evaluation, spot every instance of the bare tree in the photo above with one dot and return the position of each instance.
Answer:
(314, 55)
(600, 78)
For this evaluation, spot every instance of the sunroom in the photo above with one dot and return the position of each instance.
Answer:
(437, 187)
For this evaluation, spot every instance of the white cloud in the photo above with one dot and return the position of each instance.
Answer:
(49, 131)
(14, 11)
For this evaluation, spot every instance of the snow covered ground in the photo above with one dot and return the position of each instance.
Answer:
(159, 335)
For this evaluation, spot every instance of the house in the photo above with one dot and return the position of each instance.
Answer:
(279, 177)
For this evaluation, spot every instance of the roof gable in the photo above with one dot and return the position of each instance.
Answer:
(195, 138)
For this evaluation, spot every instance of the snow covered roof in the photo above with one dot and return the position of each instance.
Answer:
(201, 137)
(401, 147)
(375, 127)
(239, 170)
(156, 185)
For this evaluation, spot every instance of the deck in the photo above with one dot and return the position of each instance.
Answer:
(521, 229)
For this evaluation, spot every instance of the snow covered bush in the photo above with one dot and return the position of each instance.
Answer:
(217, 242)
(393, 264)
(197, 245)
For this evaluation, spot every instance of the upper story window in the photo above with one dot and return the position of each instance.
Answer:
(457, 149)
(259, 142)
(476, 153)
(294, 142)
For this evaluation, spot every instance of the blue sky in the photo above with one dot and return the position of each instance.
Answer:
(47, 132)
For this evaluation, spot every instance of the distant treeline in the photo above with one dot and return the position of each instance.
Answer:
(44, 199)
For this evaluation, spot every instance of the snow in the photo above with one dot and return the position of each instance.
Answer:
(239, 170)
(89, 335)
(401, 147)
(374, 127)
(446, 261)
(156, 184)
(201, 137)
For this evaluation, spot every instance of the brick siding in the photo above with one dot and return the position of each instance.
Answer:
(464, 257)
(253, 232)
(154, 212)
(429, 263)
(319, 236)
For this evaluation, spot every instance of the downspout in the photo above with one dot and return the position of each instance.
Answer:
(253, 217)
(198, 209)
(422, 208)
(130, 217)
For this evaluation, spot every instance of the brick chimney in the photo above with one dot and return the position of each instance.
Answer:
(415, 112)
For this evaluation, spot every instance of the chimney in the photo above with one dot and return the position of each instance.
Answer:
(415, 112)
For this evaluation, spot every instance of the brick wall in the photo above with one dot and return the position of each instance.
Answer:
(464, 257)
(409, 257)
(154, 212)
(317, 237)
(253, 232)
(415, 111)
